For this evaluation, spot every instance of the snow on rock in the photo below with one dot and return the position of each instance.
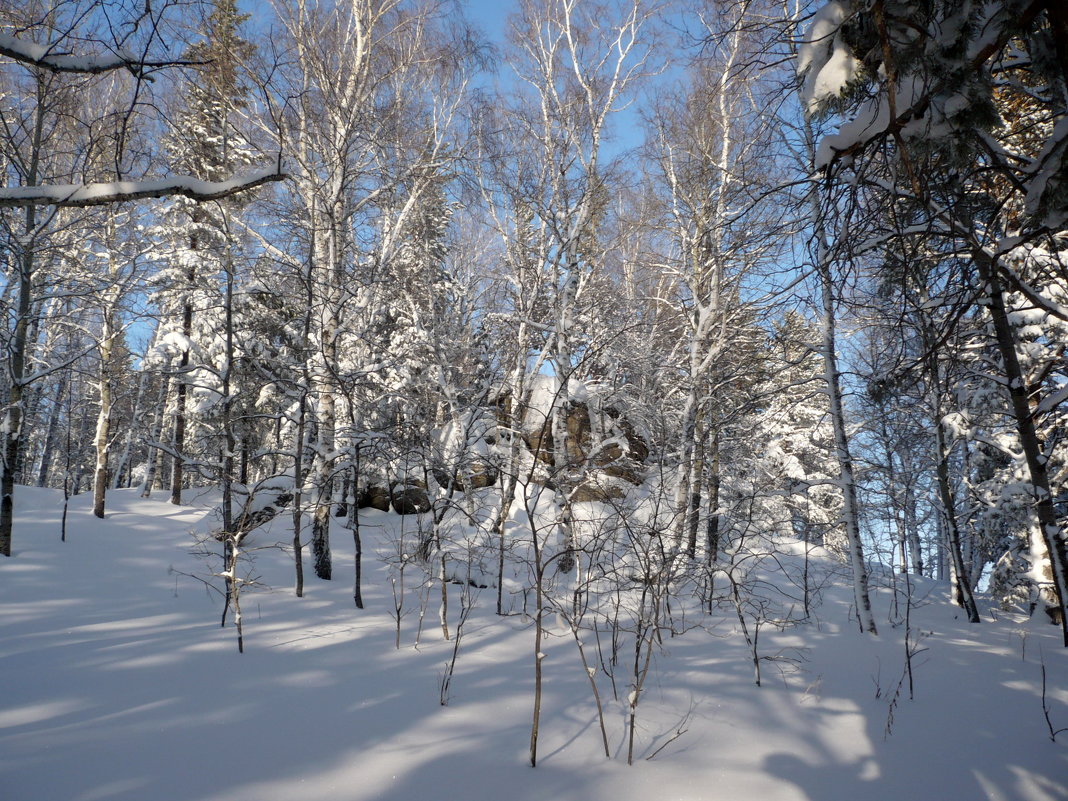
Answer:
(547, 394)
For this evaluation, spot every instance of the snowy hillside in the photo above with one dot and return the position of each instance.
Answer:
(120, 684)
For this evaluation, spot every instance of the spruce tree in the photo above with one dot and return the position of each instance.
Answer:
(205, 141)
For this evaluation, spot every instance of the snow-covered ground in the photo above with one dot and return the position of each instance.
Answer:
(118, 683)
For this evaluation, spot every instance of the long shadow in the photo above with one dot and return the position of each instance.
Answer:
(949, 742)
(133, 689)
(133, 692)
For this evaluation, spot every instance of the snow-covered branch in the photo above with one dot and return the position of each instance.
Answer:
(99, 194)
(45, 57)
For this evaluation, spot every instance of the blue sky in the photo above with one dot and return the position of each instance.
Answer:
(489, 15)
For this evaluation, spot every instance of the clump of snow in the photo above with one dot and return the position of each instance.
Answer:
(546, 394)
(956, 425)
(824, 59)
(466, 437)
(870, 120)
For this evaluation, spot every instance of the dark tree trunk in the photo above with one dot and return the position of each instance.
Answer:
(1048, 525)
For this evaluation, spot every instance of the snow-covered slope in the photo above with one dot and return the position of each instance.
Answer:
(118, 683)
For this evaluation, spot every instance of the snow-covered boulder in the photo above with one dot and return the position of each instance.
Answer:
(409, 497)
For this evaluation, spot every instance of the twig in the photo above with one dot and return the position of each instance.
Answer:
(1045, 706)
(679, 731)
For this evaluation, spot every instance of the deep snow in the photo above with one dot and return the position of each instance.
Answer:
(119, 684)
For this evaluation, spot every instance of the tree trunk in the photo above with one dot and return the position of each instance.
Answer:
(48, 451)
(1049, 535)
(17, 364)
(685, 470)
(298, 490)
(121, 474)
(178, 459)
(324, 486)
(354, 525)
(101, 442)
(155, 455)
(103, 420)
(847, 482)
(963, 589)
(326, 408)
(17, 369)
(712, 520)
(696, 481)
(232, 537)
